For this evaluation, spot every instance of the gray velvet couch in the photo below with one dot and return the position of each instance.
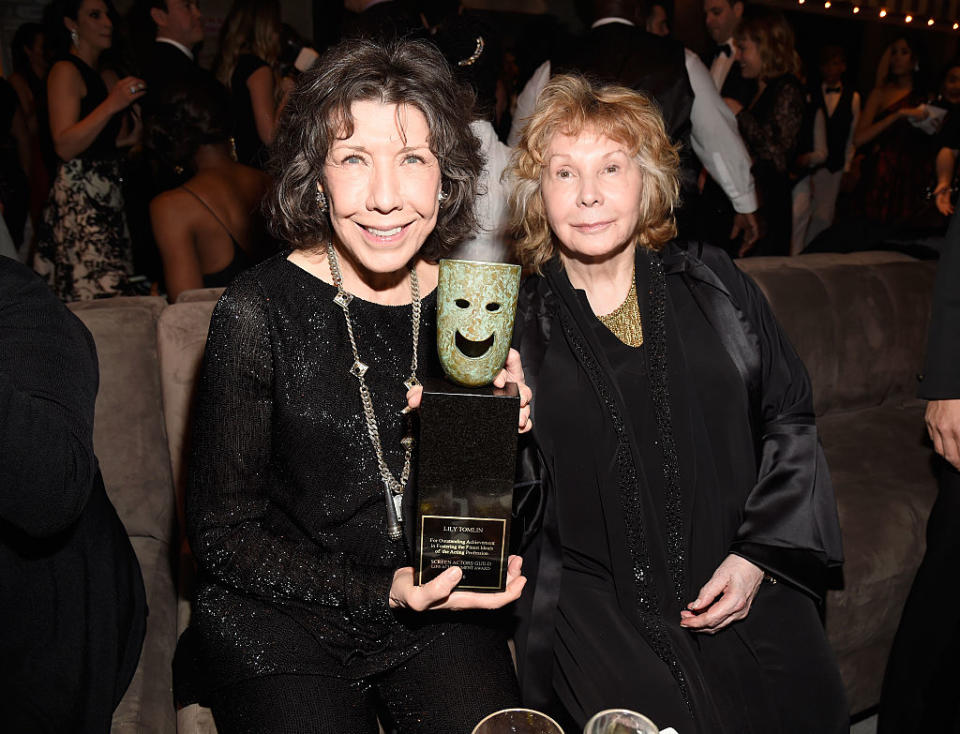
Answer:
(859, 322)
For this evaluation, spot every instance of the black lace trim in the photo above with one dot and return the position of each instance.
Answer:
(647, 598)
(660, 389)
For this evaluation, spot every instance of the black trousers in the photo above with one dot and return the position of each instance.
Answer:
(921, 689)
(445, 689)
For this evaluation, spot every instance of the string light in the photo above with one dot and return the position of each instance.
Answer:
(827, 4)
(908, 19)
(956, 26)
(856, 9)
(883, 12)
(930, 22)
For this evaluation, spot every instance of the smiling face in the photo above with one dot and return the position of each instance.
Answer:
(951, 85)
(591, 190)
(93, 25)
(382, 184)
(476, 304)
(721, 18)
(748, 54)
(182, 22)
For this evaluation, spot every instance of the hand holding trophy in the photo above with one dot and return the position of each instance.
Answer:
(468, 430)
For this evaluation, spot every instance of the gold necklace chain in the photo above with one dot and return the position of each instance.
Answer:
(624, 321)
(393, 488)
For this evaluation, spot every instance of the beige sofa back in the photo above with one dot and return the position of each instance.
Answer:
(858, 321)
(130, 443)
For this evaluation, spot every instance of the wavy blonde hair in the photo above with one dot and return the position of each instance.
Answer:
(774, 38)
(251, 26)
(569, 105)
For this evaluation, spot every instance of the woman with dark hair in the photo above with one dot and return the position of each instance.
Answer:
(83, 246)
(687, 516)
(209, 228)
(306, 616)
(770, 123)
(247, 66)
(898, 163)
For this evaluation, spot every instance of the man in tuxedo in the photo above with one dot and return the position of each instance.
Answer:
(617, 50)
(722, 18)
(179, 29)
(923, 679)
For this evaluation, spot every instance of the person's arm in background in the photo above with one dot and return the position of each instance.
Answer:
(820, 151)
(72, 134)
(716, 141)
(946, 165)
(527, 100)
(940, 382)
(48, 386)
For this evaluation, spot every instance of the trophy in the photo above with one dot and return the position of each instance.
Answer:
(468, 430)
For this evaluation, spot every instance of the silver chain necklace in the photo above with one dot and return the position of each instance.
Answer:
(393, 488)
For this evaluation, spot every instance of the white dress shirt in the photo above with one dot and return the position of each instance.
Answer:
(187, 52)
(832, 99)
(722, 64)
(489, 244)
(714, 135)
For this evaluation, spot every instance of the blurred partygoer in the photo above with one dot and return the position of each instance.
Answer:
(208, 229)
(770, 122)
(83, 247)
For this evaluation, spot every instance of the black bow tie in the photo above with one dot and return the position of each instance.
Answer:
(723, 48)
(832, 90)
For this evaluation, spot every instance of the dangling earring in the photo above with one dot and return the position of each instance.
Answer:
(442, 196)
(75, 37)
(233, 148)
(322, 203)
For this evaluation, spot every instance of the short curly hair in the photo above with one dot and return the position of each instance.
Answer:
(568, 105)
(318, 113)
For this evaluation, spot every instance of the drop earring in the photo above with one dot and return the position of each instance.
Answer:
(75, 37)
(442, 196)
(322, 203)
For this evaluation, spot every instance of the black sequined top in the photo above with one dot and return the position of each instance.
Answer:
(285, 506)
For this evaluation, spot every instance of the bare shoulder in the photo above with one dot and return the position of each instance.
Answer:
(64, 75)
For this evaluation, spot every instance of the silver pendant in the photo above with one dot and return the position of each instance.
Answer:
(397, 503)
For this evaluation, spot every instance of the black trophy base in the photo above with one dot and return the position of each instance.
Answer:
(468, 448)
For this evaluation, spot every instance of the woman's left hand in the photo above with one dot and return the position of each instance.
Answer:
(512, 372)
(735, 582)
(439, 593)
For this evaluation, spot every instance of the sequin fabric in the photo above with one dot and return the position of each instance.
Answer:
(285, 507)
(659, 385)
(646, 592)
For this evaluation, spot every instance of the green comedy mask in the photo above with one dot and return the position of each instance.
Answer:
(476, 305)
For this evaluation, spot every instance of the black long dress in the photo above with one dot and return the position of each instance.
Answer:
(660, 461)
(285, 506)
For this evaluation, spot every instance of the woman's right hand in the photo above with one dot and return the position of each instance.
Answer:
(125, 92)
(917, 113)
(439, 593)
(942, 199)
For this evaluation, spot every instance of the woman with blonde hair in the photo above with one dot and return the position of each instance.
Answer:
(683, 516)
(246, 65)
(770, 123)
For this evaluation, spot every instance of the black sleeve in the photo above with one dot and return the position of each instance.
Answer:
(940, 379)
(789, 525)
(48, 387)
(774, 139)
(232, 471)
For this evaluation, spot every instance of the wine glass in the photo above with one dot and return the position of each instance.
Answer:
(620, 721)
(517, 721)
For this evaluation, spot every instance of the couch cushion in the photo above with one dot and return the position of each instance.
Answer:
(147, 706)
(880, 464)
(128, 436)
(858, 321)
(181, 338)
(200, 294)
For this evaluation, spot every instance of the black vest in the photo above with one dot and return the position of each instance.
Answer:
(616, 53)
(838, 126)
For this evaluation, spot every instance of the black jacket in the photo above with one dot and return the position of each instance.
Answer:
(940, 379)
(786, 523)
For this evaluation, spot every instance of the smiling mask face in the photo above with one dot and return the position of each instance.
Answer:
(476, 304)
